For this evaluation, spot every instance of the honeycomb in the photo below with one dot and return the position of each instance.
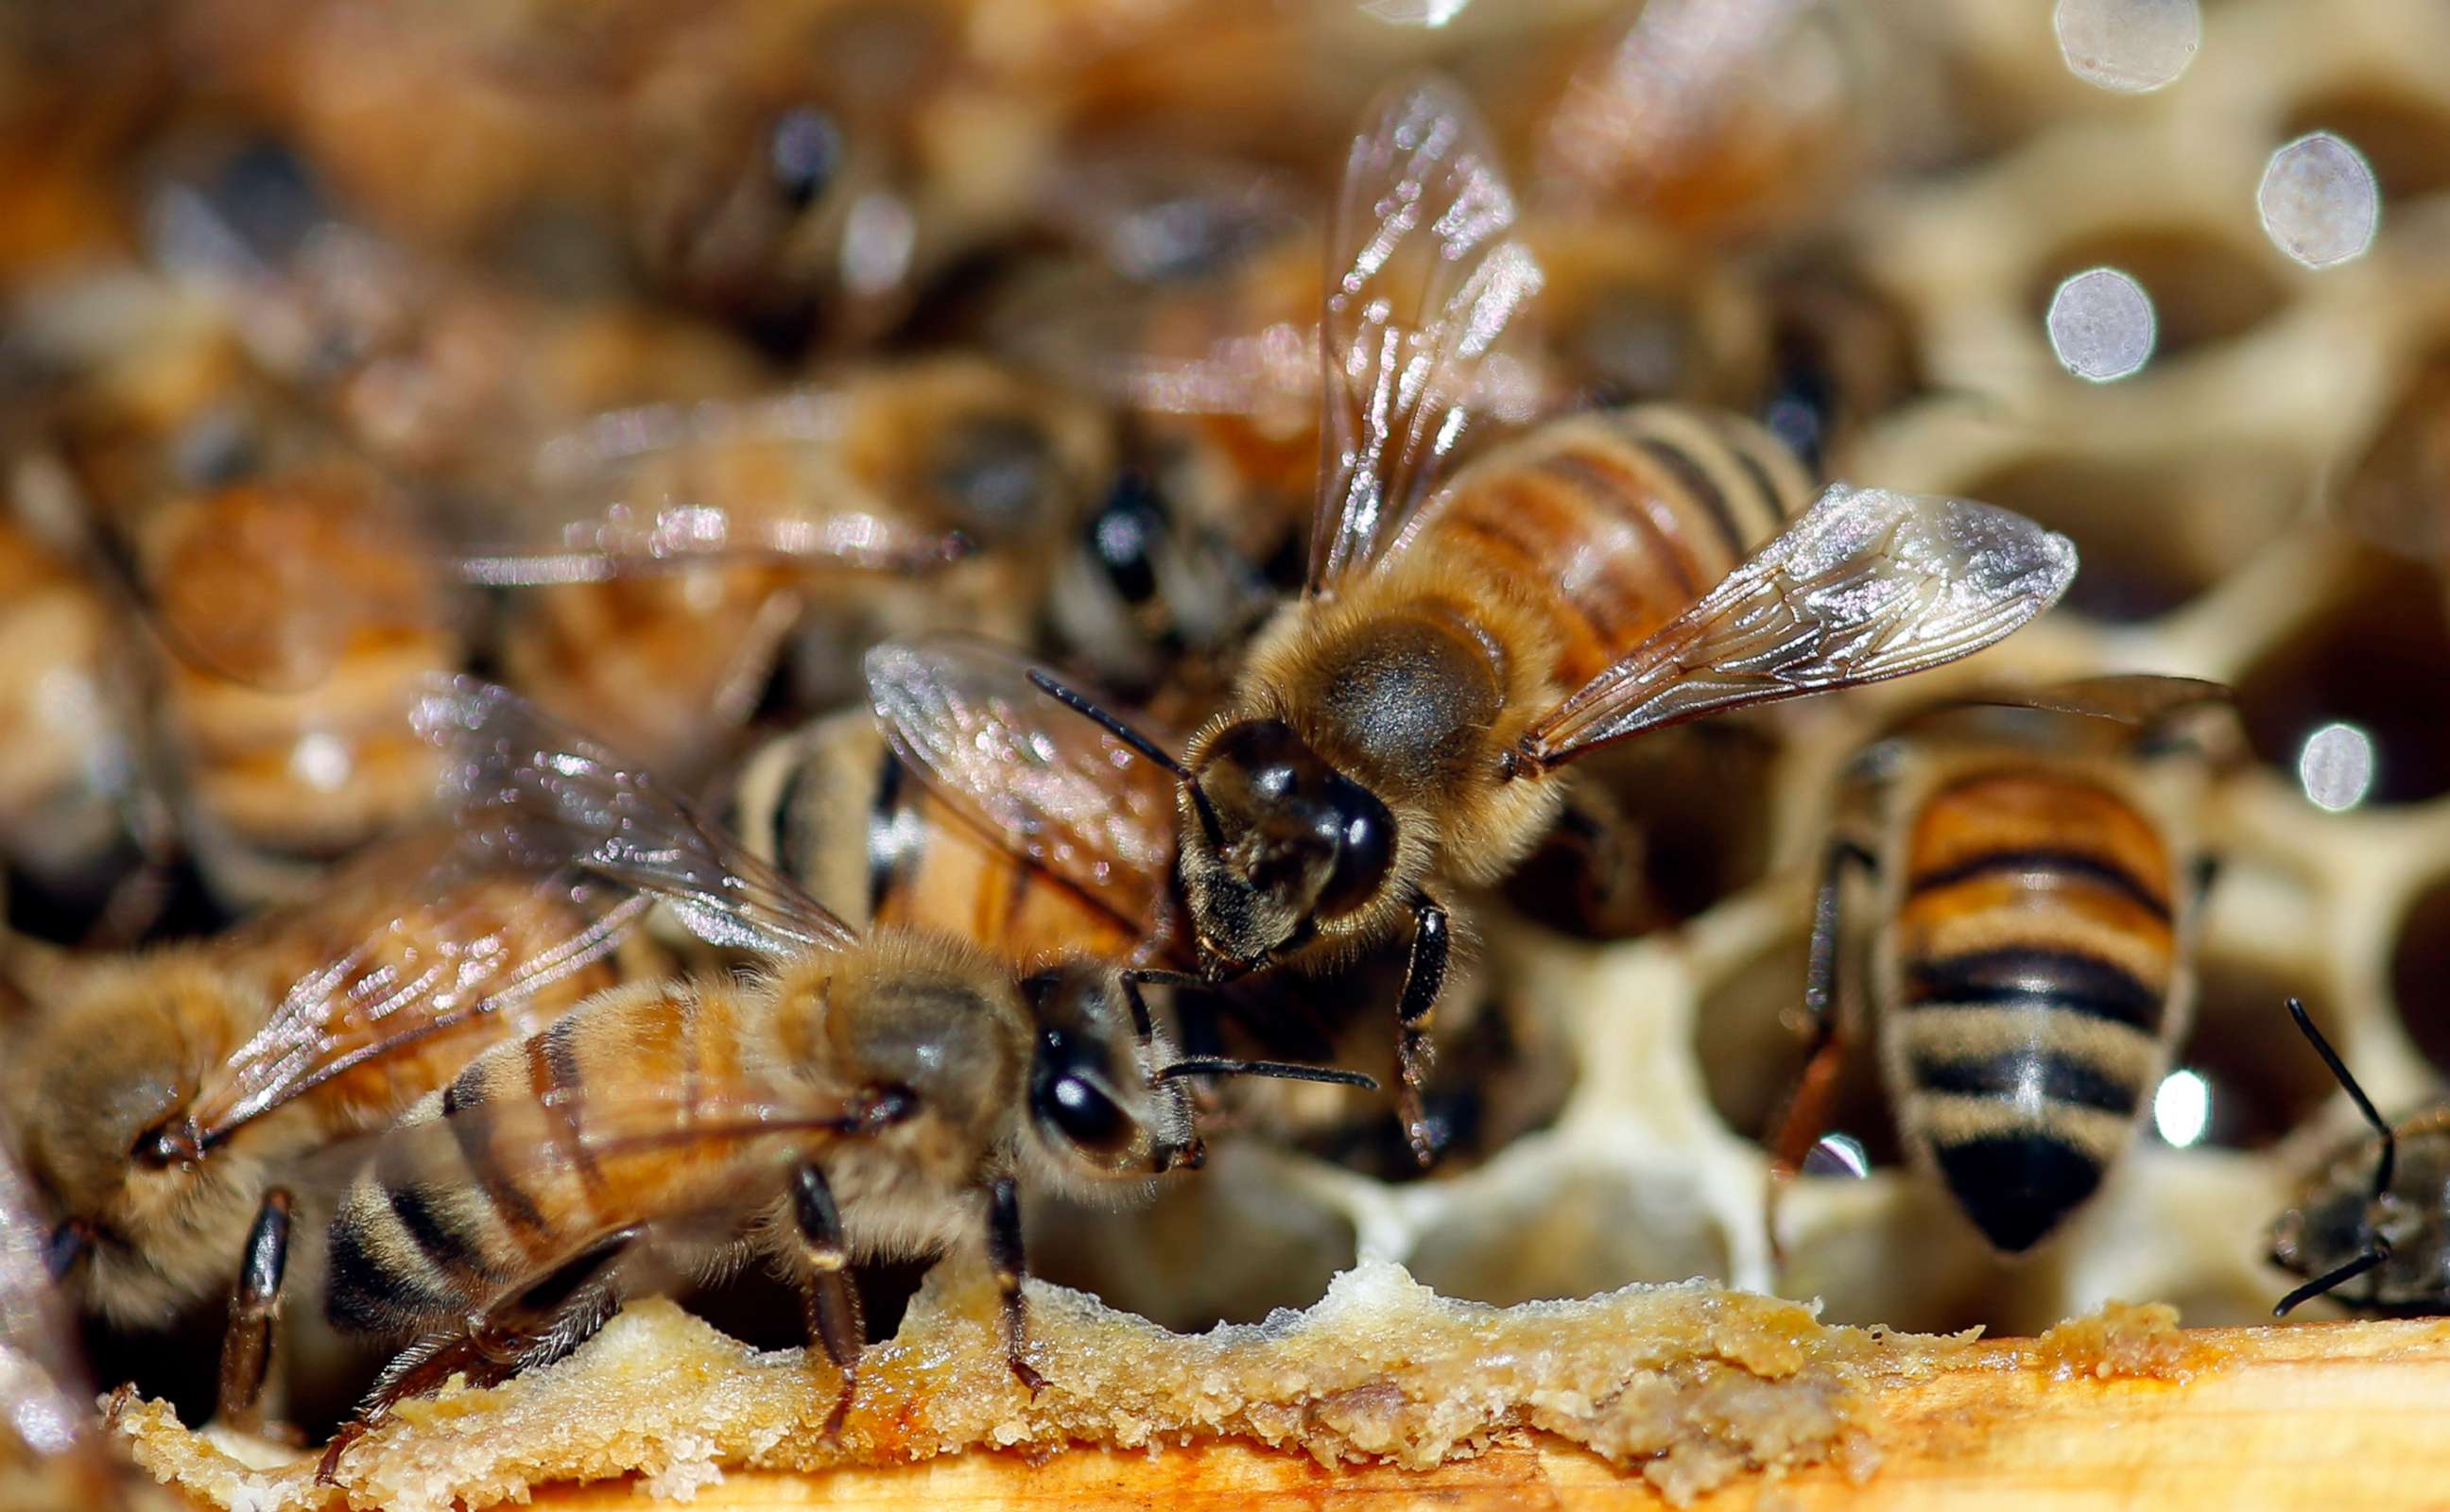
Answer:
(1619, 1135)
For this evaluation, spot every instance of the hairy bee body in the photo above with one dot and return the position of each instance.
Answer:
(413, 1243)
(836, 810)
(138, 1131)
(2039, 875)
(1541, 563)
(2032, 985)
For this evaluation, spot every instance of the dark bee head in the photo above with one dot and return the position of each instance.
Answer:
(1097, 1104)
(2373, 1224)
(998, 476)
(1283, 842)
(805, 151)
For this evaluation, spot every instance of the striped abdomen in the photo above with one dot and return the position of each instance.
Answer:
(834, 809)
(625, 1111)
(1624, 517)
(2032, 957)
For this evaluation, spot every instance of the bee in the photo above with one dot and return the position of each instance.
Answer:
(70, 761)
(1718, 120)
(1398, 729)
(2031, 966)
(834, 807)
(675, 554)
(169, 1099)
(863, 1096)
(2373, 1208)
(53, 1457)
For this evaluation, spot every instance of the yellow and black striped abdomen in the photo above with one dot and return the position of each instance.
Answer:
(611, 1116)
(1618, 520)
(2031, 957)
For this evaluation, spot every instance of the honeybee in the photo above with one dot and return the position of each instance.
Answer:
(831, 806)
(53, 1457)
(169, 1099)
(2041, 877)
(71, 759)
(674, 554)
(2374, 1209)
(1397, 730)
(865, 1096)
(1718, 120)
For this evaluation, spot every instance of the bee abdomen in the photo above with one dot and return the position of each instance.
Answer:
(2035, 977)
(1621, 519)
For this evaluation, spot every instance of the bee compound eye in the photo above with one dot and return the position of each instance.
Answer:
(803, 154)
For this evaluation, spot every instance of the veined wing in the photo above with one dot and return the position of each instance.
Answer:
(543, 795)
(1868, 584)
(664, 487)
(1052, 787)
(1422, 280)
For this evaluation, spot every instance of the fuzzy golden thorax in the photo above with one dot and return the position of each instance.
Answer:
(1364, 761)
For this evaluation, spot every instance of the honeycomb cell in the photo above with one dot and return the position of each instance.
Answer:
(1752, 1041)
(2154, 532)
(2419, 973)
(2204, 289)
(1571, 1233)
(2375, 659)
(1225, 1244)
(2400, 134)
(1656, 832)
(2248, 1088)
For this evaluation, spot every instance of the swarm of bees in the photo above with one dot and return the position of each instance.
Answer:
(670, 648)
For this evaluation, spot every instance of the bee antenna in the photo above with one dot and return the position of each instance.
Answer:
(2387, 1165)
(2378, 1252)
(1113, 725)
(1281, 1069)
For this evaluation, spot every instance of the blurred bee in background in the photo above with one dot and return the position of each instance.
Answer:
(169, 1101)
(2041, 869)
(73, 801)
(53, 1453)
(1715, 119)
(863, 1096)
(1393, 731)
(2373, 1208)
(694, 546)
(291, 599)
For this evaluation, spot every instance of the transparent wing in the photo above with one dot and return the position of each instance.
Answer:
(1421, 282)
(543, 795)
(46, 1402)
(2139, 699)
(1868, 584)
(1054, 788)
(442, 936)
(664, 487)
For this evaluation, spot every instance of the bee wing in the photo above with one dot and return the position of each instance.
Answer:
(1868, 584)
(1049, 785)
(461, 937)
(546, 796)
(42, 1386)
(2138, 700)
(1421, 281)
(1102, 333)
(665, 487)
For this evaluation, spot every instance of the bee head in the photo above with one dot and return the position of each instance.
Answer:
(1098, 1104)
(1282, 842)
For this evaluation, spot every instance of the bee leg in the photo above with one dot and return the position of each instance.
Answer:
(835, 1324)
(533, 1326)
(1587, 874)
(1004, 1253)
(1424, 975)
(1805, 1116)
(255, 1305)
